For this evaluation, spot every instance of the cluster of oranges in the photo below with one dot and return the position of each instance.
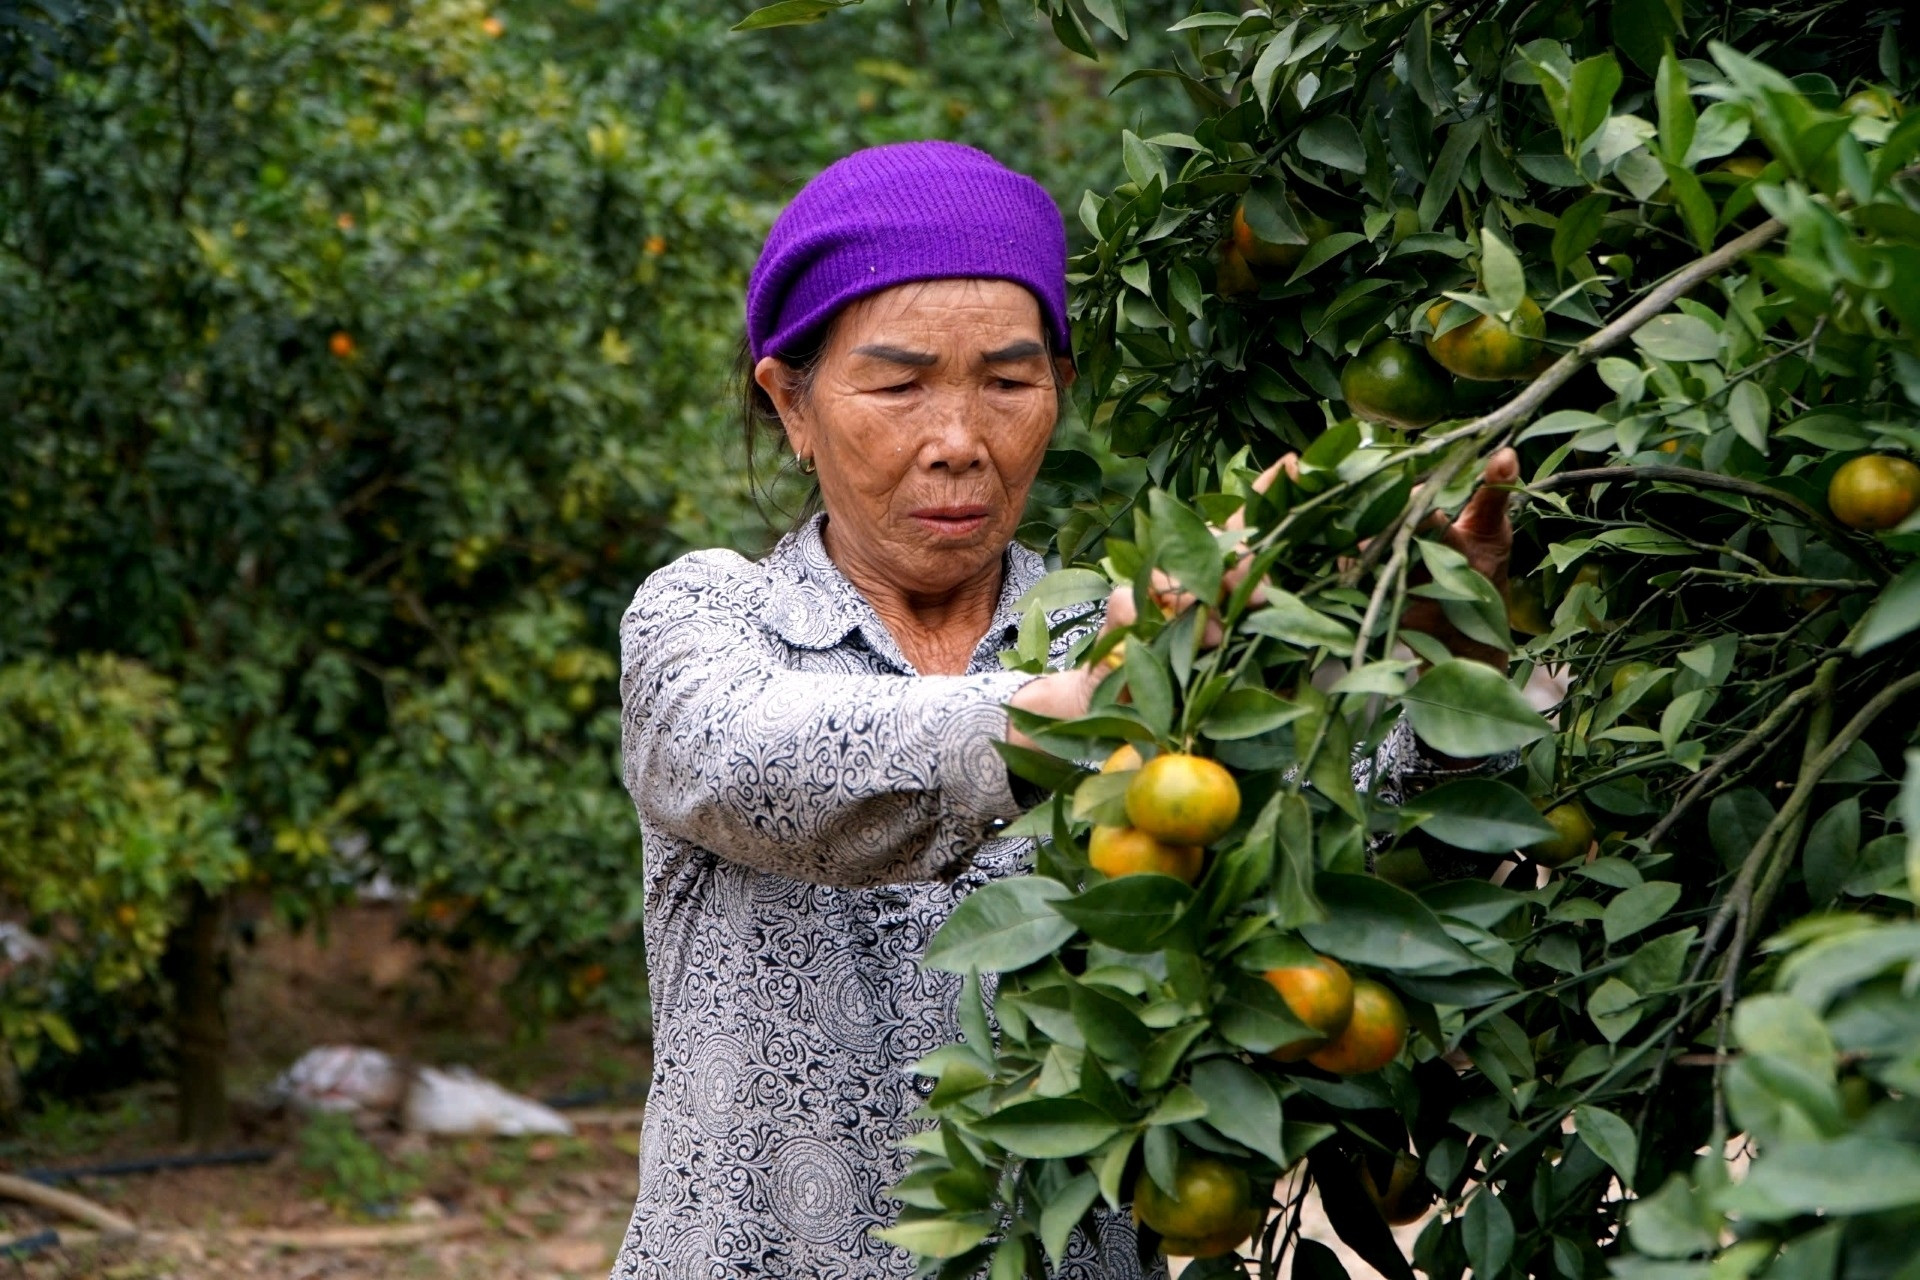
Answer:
(1176, 806)
(1395, 382)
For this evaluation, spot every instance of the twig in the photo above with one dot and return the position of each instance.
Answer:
(67, 1204)
(1777, 719)
(1681, 475)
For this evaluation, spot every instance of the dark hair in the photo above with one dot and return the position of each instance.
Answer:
(758, 417)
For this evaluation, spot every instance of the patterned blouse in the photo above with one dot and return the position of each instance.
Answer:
(812, 810)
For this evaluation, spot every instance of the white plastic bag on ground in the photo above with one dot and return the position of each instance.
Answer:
(458, 1101)
(342, 1078)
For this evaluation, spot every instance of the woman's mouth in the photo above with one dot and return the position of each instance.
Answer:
(951, 522)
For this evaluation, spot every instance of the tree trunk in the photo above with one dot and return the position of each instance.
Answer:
(197, 968)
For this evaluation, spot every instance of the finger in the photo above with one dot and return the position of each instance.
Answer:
(1263, 482)
(1121, 611)
(1485, 515)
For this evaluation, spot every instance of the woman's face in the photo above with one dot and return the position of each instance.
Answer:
(927, 419)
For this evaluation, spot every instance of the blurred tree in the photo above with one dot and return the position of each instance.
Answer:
(360, 361)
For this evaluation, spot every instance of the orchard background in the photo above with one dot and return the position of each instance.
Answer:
(360, 360)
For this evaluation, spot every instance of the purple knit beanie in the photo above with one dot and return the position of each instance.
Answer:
(898, 213)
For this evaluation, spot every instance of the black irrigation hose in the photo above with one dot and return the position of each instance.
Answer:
(150, 1164)
(20, 1248)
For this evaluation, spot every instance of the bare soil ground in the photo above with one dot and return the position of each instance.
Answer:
(521, 1208)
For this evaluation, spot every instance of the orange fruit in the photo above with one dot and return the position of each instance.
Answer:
(1526, 608)
(1573, 835)
(1874, 492)
(1486, 350)
(655, 246)
(1320, 994)
(1268, 258)
(1373, 1036)
(1210, 1211)
(1745, 168)
(341, 344)
(1396, 383)
(1235, 279)
(1183, 799)
(1406, 1197)
(1626, 673)
(1874, 101)
(1125, 758)
(1129, 851)
(493, 27)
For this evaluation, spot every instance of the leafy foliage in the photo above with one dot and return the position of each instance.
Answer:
(1714, 212)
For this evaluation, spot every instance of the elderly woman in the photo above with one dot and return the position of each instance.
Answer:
(809, 738)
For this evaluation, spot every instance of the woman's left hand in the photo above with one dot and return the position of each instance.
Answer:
(1483, 533)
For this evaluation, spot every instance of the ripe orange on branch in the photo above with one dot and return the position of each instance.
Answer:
(1270, 257)
(1874, 492)
(1129, 851)
(1183, 799)
(1320, 994)
(1373, 1036)
(1572, 838)
(1396, 383)
(1210, 1211)
(1486, 349)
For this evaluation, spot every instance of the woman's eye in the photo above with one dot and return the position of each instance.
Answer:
(896, 388)
(1009, 384)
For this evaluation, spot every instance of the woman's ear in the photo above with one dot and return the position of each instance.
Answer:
(779, 380)
(1064, 372)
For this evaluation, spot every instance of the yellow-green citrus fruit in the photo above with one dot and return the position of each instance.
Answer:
(1126, 757)
(1268, 258)
(1573, 835)
(1129, 851)
(1395, 383)
(1183, 799)
(1210, 1211)
(1374, 1035)
(1627, 672)
(1486, 350)
(1319, 994)
(1406, 1197)
(1874, 101)
(1526, 609)
(1874, 492)
(1235, 279)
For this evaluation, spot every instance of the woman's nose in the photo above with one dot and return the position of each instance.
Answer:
(956, 439)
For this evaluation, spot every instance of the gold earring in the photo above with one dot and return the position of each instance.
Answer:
(805, 464)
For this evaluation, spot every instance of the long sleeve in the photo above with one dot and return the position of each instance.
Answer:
(841, 779)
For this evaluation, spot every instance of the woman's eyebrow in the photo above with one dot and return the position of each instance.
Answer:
(1024, 350)
(897, 355)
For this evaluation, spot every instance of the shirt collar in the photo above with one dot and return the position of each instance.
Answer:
(812, 605)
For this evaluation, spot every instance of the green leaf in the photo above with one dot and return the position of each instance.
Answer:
(1062, 1213)
(1242, 1106)
(1672, 1223)
(1675, 106)
(1614, 1007)
(1248, 713)
(1678, 337)
(1479, 814)
(1132, 913)
(1002, 926)
(1252, 1015)
(941, 1237)
(790, 13)
(1064, 588)
(1590, 98)
(1110, 1027)
(1048, 1128)
(1895, 612)
(1333, 141)
(1636, 908)
(1856, 1174)
(1466, 708)
(1150, 685)
(1908, 807)
(1611, 1138)
(1486, 1230)
(1292, 619)
(1111, 14)
(1501, 274)
(1578, 228)
(1696, 207)
(1381, 926)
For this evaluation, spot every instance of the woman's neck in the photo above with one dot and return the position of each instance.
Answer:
(937, 631)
